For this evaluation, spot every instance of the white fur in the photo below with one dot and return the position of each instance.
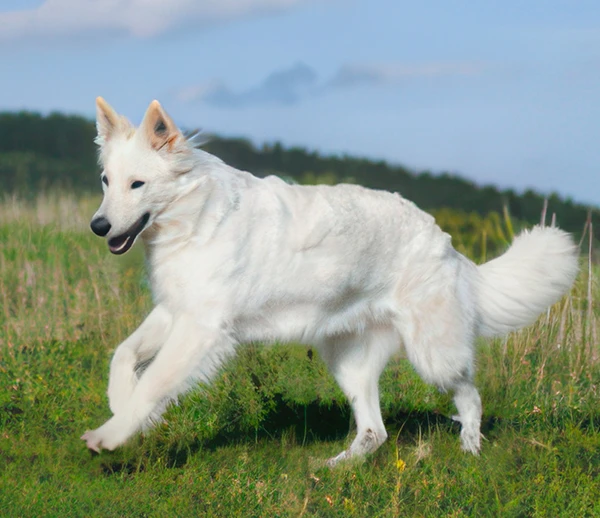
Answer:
(519, 285)
(359, 274)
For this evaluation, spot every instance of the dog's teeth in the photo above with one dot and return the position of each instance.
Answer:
(123, 245)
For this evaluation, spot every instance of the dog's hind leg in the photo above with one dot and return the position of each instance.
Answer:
(468, 404)
(438, 338)
(190, 354)
(356, 362)
(139, 347)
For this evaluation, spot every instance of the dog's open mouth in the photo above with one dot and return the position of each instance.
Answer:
(120, 244)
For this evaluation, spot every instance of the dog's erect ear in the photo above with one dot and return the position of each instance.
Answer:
(107, 120)
(159, 127)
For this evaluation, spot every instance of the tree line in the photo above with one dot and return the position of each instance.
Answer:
(57, 151)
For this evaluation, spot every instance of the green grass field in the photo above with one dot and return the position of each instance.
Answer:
(255, 442)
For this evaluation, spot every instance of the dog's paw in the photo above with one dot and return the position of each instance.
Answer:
(334, 461)
(108, 437)
(92, 441)
(470, 441)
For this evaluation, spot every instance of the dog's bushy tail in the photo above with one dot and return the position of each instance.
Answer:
(535, 272)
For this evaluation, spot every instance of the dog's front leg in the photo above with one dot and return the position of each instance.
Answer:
(190, 353)
(139, 347)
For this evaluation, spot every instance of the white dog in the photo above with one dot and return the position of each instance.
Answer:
(360, 274)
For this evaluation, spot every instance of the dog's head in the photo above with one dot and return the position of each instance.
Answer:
(141, 170)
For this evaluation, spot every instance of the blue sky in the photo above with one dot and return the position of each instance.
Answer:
(506, 93)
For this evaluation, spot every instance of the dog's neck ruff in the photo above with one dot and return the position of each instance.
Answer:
(205, 196)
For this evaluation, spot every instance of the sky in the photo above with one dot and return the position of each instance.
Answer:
(503, 93)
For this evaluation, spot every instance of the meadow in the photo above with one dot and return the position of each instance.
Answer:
(254, 442)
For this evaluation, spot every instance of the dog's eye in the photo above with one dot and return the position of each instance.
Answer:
(105, 180)
(137, 184)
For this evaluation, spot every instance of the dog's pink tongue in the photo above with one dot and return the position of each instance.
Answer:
(117, 243)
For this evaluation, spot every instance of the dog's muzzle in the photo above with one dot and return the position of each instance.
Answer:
(120, 244)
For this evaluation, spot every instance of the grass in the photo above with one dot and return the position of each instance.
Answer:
(254, 443)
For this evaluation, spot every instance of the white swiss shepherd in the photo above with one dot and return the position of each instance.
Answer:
(360, 274)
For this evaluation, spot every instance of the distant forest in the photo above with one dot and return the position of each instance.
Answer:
(40, 153)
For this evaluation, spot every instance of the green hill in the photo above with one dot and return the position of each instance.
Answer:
(43, 152)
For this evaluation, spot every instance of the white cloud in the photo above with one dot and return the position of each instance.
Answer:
(285, 87)
(390, 73)
(137, 18)
(293, 85)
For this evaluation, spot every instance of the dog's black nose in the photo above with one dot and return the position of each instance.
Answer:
(100, 226)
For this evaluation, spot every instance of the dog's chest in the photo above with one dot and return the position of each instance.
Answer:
(185, 279)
